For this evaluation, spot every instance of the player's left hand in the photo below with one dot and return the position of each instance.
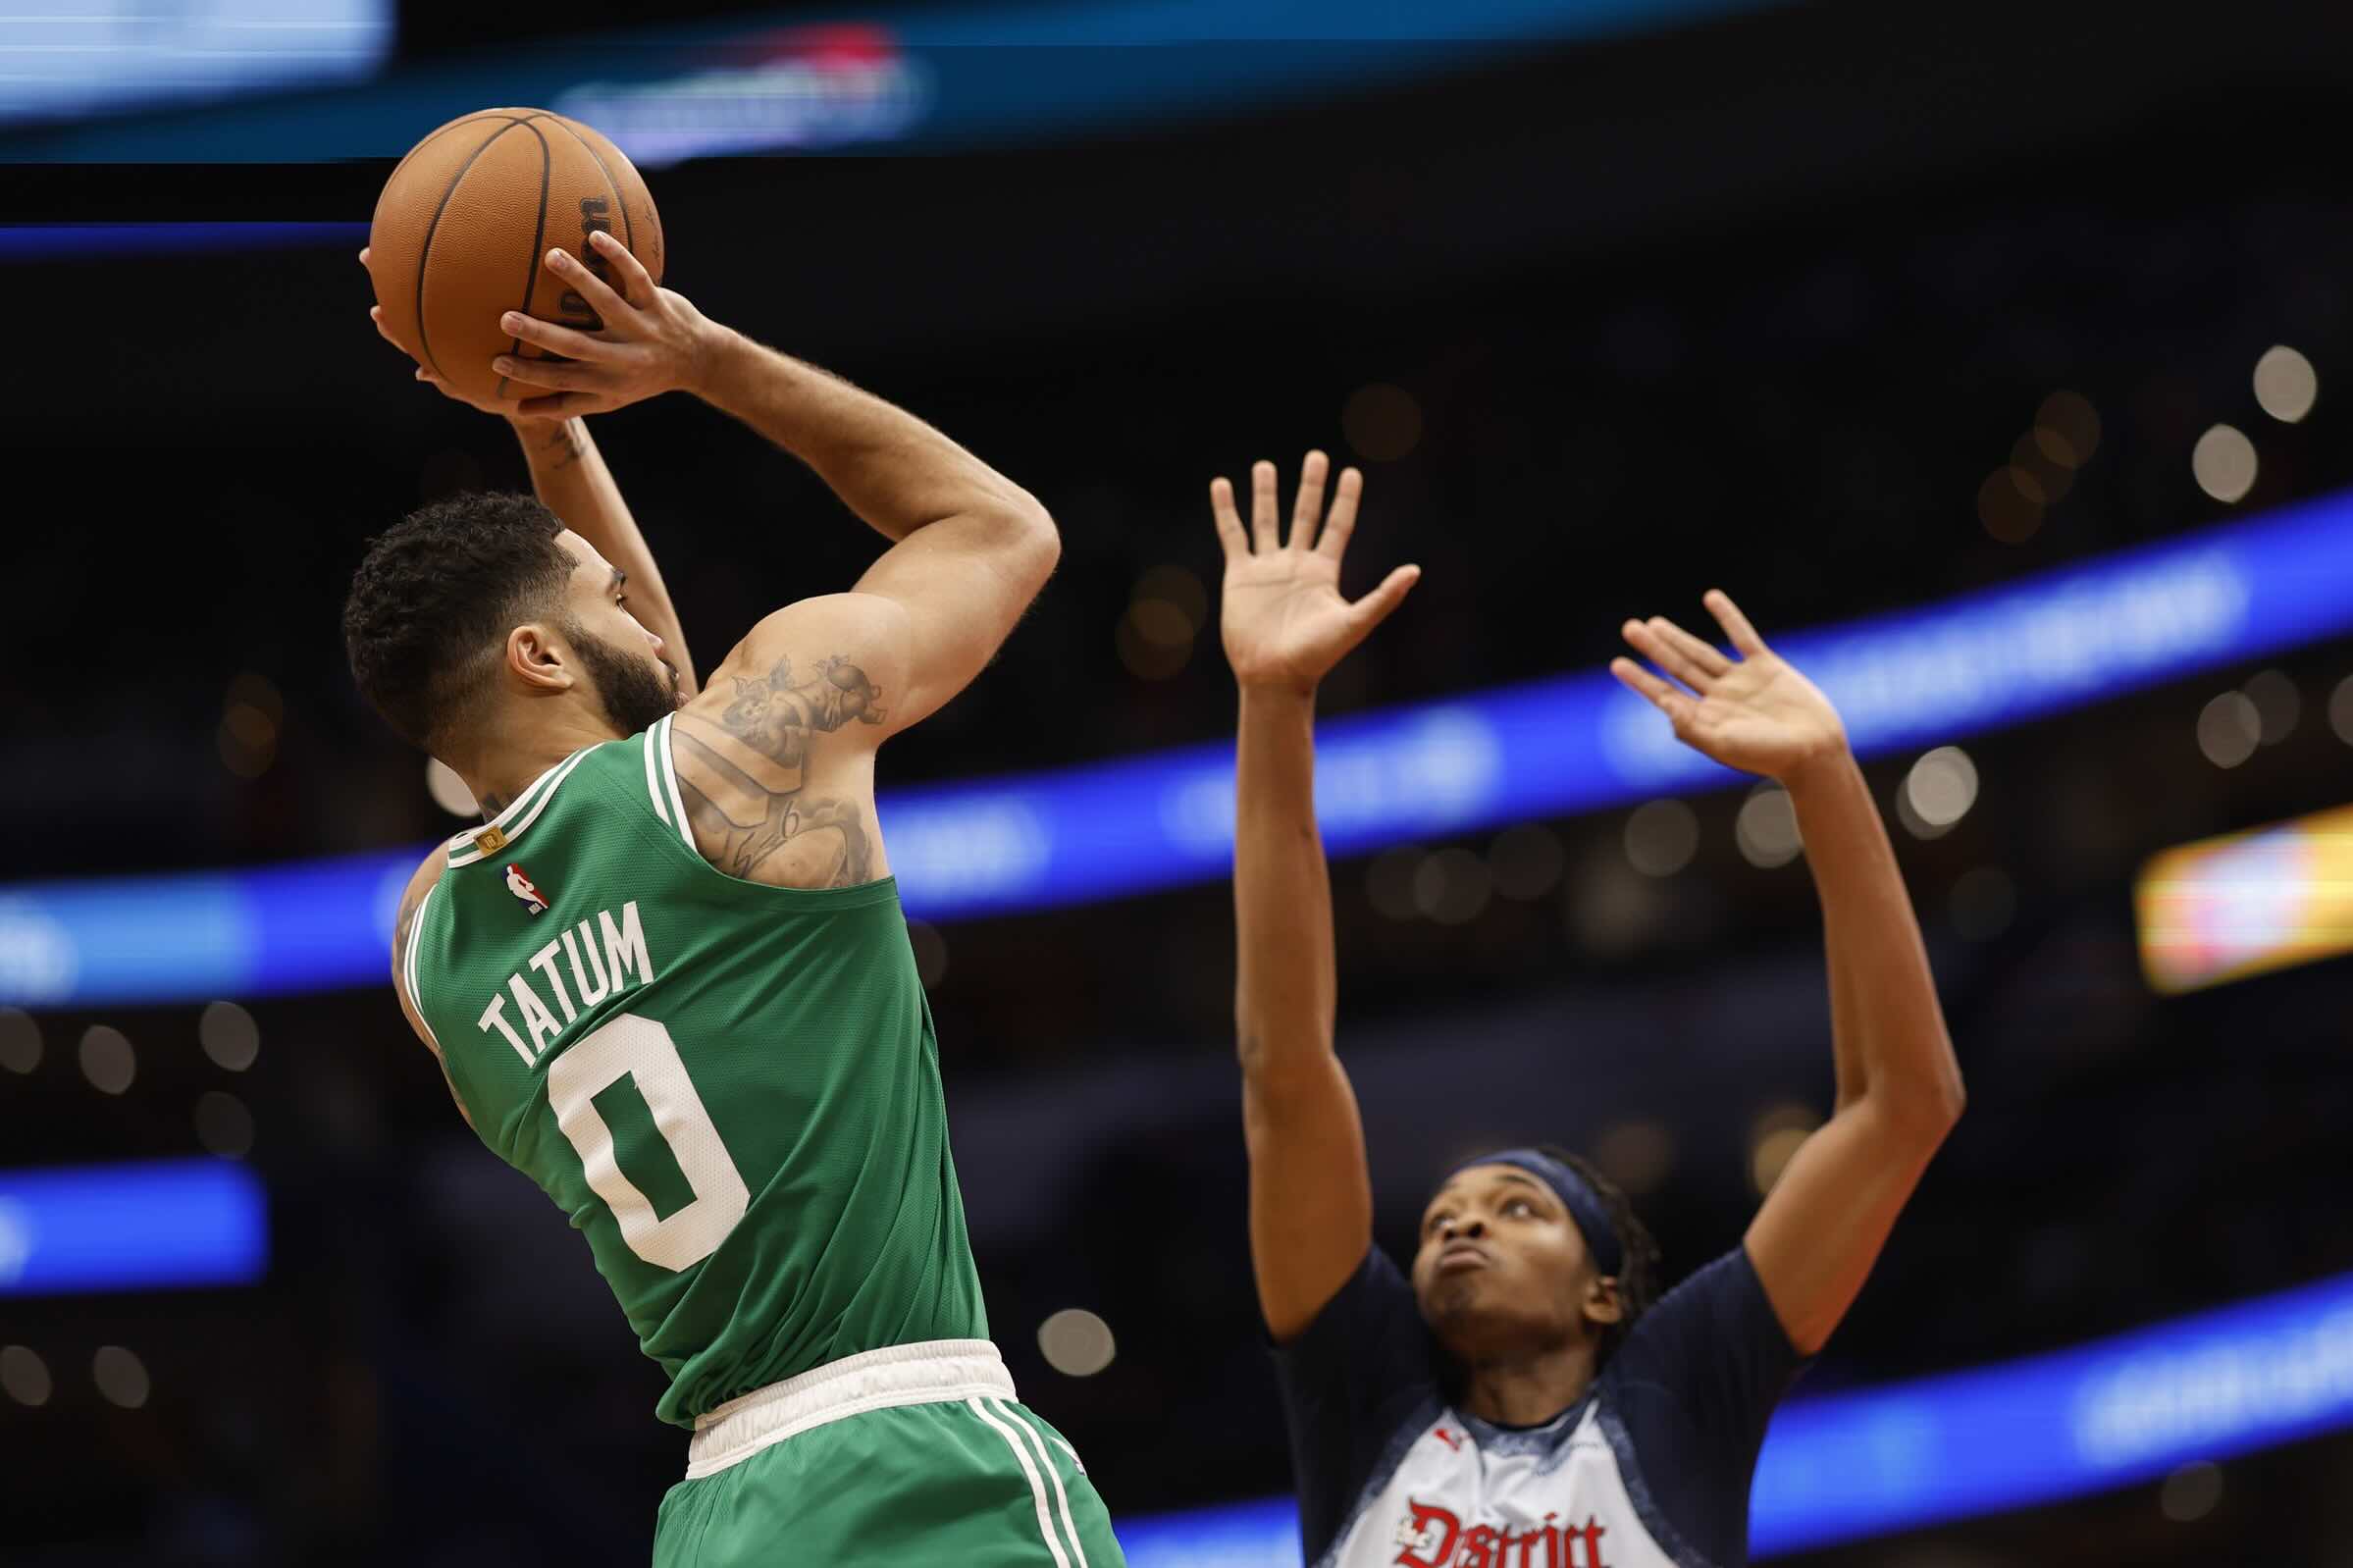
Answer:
(653, 341)
(504, 410)
(1755, 713)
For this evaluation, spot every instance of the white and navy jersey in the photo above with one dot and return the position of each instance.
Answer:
(1651, 1469)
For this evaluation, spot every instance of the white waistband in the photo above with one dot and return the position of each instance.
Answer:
(930, 1372)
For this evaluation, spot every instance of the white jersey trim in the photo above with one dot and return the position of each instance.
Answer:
(1037, 1487)
(669, 778)
(408, 965)
(928, 1372)
(507, 823)
(652, 784)
(1062, 1498)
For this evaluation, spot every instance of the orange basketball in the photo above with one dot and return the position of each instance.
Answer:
(466, 220)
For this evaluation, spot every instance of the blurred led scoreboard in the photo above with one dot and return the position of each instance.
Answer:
(79, 59)
(2225, 909)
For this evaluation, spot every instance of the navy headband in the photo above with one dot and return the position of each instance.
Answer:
(1576, 1194)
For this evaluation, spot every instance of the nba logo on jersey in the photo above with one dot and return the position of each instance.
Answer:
(521, 887)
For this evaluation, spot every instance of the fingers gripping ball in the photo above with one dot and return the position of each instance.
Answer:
(464, 226)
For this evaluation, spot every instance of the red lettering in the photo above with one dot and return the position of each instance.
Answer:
(1479, 1549)
(1424, 1516)
(1592, 1534)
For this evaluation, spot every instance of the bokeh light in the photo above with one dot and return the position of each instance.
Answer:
(120, 1376)
(930, 950)
(1076, 1343)
(107, 1058)
(24, 1375)
(19, 1040)
(1661, 837)
(1766, 829)
(2229, 729)
(1451, 886)
(2278, 704)
(223, 1125)
(228, 1035)
(1638, 1155)
(2224, 464)
(2286, 384)
(1775, 1137)
(1939, 789)
(2192, 1492)
(2066, 429)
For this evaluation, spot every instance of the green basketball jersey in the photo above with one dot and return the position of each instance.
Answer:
(732, 1089)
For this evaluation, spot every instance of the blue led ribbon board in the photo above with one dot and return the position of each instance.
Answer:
(917, 77)
(154, 1226)
(1914, 678)
(1901, 1457)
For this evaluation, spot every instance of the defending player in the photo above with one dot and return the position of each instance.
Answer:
(1519, 1403)
(668, 978)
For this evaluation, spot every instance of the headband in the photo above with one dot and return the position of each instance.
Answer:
(1576, 1194)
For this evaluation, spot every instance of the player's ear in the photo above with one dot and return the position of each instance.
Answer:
(535, 656)
(1602, 1303)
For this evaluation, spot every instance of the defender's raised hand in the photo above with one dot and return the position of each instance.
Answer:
(1284, 619)
(654, 340)
(1755, 713)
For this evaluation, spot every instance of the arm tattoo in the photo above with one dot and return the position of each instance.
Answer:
(741, 778)
(569, 443)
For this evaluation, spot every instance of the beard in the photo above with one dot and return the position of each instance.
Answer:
(636, 692)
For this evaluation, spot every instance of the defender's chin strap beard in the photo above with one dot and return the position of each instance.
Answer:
(1576, 1194)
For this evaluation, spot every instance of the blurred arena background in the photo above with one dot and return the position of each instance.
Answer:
(1998, 347)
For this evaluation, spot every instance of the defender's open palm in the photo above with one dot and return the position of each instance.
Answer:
(1285, 621)
(1755, 713)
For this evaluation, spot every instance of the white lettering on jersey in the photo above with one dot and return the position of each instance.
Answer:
(620, 962)
(543, 960)
(1539, 1505)
(625, 945)
(535, 1016)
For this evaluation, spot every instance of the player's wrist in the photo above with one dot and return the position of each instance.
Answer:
(1825, 768)
(1273, 693)
(714, 362)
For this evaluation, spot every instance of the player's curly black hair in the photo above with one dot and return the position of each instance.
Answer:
(1638, 1265)
(434, 598)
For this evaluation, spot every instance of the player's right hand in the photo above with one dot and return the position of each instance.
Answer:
(1284, 619)
(653, 341)
(504, 410)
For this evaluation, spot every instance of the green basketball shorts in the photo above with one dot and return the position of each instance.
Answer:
(917, 1454)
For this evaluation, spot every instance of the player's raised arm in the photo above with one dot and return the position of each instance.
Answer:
(970, 549)
(1284, 625)
(570, 479)
(1898, 1085)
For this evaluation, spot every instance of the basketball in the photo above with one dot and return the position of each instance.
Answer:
(463, 226)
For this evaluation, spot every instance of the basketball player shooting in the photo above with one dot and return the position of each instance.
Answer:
(668, 978)
(1521, 1392)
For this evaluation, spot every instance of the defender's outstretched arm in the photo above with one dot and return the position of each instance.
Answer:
(1898, 1083)
(1284, 625)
